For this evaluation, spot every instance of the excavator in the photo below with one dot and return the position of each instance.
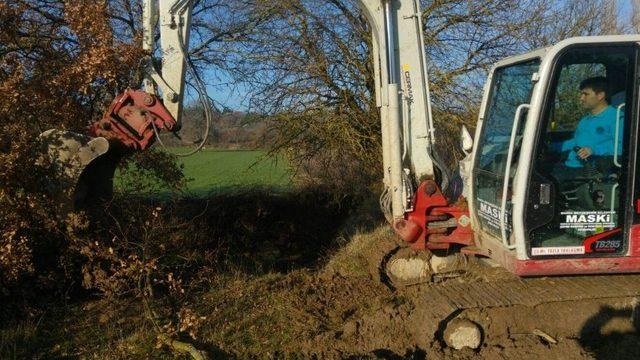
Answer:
(508, 204)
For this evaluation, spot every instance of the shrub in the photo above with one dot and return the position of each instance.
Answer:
(59, 69)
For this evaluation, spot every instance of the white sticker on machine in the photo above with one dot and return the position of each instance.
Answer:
(558, 250)
(491, 213)
(588, 220)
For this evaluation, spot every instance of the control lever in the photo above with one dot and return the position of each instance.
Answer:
(590, 170)
(583, 161)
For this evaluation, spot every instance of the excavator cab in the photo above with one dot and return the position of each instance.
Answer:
(538, 207)
(549, 184)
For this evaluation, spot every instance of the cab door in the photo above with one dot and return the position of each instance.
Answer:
(576, 204)
(498, 145)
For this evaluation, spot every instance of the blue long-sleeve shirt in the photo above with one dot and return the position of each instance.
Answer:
(596, 132)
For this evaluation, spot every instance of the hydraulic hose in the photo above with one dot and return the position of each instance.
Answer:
(200, 88)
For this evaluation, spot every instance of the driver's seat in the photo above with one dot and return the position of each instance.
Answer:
(592, 188)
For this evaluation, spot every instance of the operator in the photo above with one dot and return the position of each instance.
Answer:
(595, 134)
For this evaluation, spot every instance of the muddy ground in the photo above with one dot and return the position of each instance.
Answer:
(340, 313)
(325, 296)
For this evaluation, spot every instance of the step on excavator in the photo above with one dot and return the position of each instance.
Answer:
(548, 185)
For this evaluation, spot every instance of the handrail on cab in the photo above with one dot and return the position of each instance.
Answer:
(507, 171)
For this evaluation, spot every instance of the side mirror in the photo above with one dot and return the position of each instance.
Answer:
(467, 140)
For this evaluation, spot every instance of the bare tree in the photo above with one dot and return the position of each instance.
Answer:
(307, 62)
(635, 16)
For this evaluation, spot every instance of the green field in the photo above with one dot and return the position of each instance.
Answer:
(214, 170)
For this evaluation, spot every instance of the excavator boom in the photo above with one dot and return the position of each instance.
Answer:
(402, 94)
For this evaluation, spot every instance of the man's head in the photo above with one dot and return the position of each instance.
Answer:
(594, 93)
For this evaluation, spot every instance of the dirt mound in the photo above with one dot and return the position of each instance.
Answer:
(298, 313)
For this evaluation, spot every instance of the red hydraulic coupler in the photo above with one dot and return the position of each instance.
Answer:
(434, 223)
(130, 118)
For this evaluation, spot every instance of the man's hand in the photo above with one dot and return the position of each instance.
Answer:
(584, 152)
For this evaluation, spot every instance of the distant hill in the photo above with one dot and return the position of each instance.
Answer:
(229, 130)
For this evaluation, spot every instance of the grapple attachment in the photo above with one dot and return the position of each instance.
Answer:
(84, 165)
(68, 154)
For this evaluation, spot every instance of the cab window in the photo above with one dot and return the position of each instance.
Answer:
(575, 204)
(512, 86)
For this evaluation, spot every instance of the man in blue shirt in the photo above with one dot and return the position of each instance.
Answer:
(595, 134)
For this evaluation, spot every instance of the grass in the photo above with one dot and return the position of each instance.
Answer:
(216, 170)
(89, 330)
